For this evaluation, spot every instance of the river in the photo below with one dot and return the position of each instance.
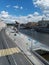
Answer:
(41, 37)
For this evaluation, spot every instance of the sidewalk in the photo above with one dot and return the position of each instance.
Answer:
(24, 44)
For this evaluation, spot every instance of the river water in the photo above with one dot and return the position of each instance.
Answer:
(41, 37)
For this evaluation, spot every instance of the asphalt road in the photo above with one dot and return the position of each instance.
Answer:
(3, 60)
(14, 59)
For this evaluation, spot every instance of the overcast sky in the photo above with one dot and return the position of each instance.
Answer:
(24, 10)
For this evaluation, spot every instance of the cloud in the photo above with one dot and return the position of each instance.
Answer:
(35, 17)
(36, 14)
(4, 14)
(7, 6)
(18, 7)
(43, 4)
(21, 7)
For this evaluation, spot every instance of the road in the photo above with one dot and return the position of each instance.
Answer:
(14, 59)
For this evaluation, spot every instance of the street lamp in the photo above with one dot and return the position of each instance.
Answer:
(19, 26)
(31, 43)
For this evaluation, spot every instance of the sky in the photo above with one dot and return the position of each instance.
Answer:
(18, 7)
(24, 10)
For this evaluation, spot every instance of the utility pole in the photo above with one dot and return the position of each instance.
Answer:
(19, 26)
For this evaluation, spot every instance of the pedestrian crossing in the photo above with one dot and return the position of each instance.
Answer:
(9, 51)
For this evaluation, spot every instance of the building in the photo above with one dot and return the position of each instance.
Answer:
(43, 23)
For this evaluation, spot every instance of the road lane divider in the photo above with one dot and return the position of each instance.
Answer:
(9, 51)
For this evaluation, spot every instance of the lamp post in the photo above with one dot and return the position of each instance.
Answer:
(19, 26)
(31, 43)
